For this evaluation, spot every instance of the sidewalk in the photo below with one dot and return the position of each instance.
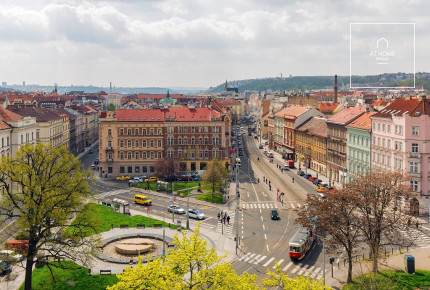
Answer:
(392, 262)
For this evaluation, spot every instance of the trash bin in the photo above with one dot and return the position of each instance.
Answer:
(409, 264)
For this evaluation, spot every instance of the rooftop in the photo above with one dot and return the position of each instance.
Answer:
(347, 115)
(363, 122)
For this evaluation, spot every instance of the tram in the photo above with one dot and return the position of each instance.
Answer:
(301, 243)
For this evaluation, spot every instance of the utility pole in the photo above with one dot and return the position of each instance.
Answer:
(188, 205)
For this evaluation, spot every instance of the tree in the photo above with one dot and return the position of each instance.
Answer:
(190, 266)
(279, 279)
(215, 174)
(381, 198)
(43, 188)
(166, 168)
(111, 107)
(335, 215)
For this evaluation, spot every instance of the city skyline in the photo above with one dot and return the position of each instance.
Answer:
(187, 44)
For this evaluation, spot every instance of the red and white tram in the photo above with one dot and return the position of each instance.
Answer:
(301, 243)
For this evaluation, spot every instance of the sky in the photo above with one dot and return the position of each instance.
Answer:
(196, 43)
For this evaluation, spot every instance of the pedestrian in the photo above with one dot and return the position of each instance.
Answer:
(228, 219)
(282, 170)
(409, 222)
(219, 216)
(270, 187)
(417, 224)
(293, 179)
(225, 217)
(270, 183)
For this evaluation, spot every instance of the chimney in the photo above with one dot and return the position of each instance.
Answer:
(408, 98)
(421, 97)
(335, 89)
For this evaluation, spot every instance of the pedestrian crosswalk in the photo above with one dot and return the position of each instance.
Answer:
(418, 238)
(270, 205)
(113, 192)
(285, 265)
(225, 226)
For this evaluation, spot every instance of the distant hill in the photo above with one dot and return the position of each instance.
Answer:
(318, 82)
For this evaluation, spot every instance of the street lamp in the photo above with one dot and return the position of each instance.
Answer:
(237, 208)
(188, 204)
(322, 240)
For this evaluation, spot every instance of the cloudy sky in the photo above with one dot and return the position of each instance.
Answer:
(196, 43)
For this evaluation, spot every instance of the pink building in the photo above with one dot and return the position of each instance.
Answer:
(401, 141)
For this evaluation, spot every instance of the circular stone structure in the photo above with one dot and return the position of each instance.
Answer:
(134, 246)
(125, 249)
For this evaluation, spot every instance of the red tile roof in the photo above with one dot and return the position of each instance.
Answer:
(402, 106)
(327, 107)
(9, 115)
(380, 103)
(347, 115)
(158, 96)
(228, 102)
(143, 115)
(315, 126)
(363, 122)
(41, 114)
(292, 111)
(186, 114)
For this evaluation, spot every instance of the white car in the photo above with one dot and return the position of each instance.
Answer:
(196, 214)
(8, 254)
(175, 209)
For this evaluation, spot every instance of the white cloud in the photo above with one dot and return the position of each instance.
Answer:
(184, 42)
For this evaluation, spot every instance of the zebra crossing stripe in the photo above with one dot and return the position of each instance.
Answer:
(288, 266)
(249, 257)
(295, 269)
(292, 205)
(319, 277)
(246, 255)
(259, 206)
(301, 271)
(256, 258)
(279, 263)
(259, 261)
(268, 262)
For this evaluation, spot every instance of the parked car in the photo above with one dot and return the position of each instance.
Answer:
(307, 176)
(316, 181)
(96, 161)
(186, 178)
(320, 195)
(322, 189)
(196, 214)
(91, 151)
(5, 267)
(274, 215)
(135, 180)
(8, 255)
(123, 177)
(312, 178)
(93, 166)
(286, 167)
(151, 179)
(175, 209)
(255, 137)
(261, 146)
(300, 172)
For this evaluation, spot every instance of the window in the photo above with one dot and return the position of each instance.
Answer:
(215, 153)
(144, 143)
(128, 143)
(413, 167)
(193, 130)
(215, 129)
(193, 140)
(122, 169)
(152, 132)
(144, 132)
(185, 130)
(415, 148)
(398, 130)
(206, 129)
(129, 155)
(206, 140)
(159, 131)
(388, 128)
(389, 144)
(170, 154)
(109, 132)
(110, 156)
(130, 169)
(137, 155)
(137, 169)
(152, 143)
(185, 140)
(383, 142)
(379, 126)
(136, 132)
(121, 132)
(160, 155)
(151, 169)
(129, 132)
(110, 169)
(144, 155)
(152, 155)
(170, 130)
(170, 141)
(136, 143)
(144, 169)
(179, 129)
(121, 155)
(200, 140)
(159, 143)
(414, 185)
(383, 127)
(200, 129)
(379, 141)
(415, 131)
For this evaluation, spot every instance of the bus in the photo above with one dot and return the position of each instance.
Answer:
(301, 243)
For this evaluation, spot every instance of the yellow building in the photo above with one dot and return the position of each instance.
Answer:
(311, 144)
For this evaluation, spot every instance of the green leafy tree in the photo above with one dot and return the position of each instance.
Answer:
(192, 265)
(279, 279)
(111, 107)
(216, 174)
(43, 188)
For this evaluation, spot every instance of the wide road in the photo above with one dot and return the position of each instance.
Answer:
(264, 240)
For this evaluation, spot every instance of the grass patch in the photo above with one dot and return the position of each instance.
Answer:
(184, 185)
(214, 198)
(42, 279)
(390, 279)
(107, 218)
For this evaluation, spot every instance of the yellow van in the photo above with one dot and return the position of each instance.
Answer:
(142, 199)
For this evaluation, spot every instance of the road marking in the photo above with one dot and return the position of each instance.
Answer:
(301, 271)
(260, 210)
(267, 206)
(267, 246)
(270, 260)
(259, 206)
(279, 263)
(264, 228)
(243, 257)
(295, 269)
(261, 218)
(265, 237)
(260, 260)
(288, 266)
(292, 205)
(249, 257)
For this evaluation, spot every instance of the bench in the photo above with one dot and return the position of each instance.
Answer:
(105, 272)
(157, 225)
(123, 226)
(140, 226)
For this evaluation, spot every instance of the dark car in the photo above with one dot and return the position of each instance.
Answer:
(186, 178)
(316, 181)
(261, 146)
(274, 215)
(5, 267)
(307, 176)
(91, 151)
(300, 172)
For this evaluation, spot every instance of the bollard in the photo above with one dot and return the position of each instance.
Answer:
(392, 251)
(89, 271)
(344, 261)
(363, 256)
(400, 250)
(385, 251)
(111, 226)
(338, 264)
(407, 248)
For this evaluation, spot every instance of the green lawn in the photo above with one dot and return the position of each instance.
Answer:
(392, 280)
(107, 218)
(215, 198)
(64, 278)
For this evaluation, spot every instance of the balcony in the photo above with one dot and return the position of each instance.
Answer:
(109, 160)
(109, 148)
(414, 155)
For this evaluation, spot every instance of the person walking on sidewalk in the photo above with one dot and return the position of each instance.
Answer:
(293, 179)
(219, 216)
(228, 219)
(417, 224)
